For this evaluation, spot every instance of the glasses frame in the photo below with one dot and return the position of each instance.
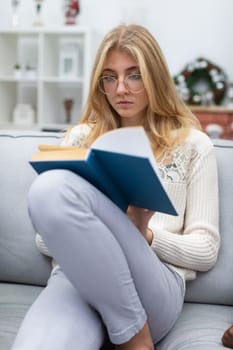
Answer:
(100, 84)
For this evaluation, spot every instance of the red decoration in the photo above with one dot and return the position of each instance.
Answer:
(72, 9)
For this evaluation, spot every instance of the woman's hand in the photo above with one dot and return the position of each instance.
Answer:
(140, 217)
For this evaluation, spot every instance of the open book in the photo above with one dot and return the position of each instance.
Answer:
(120, 163)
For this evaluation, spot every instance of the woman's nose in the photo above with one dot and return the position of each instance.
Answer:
(121, 87)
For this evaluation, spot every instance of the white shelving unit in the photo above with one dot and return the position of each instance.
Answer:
(45, 78)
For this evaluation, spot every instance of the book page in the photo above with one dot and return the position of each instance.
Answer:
(45, 148)
(129, 140)
(50, 152)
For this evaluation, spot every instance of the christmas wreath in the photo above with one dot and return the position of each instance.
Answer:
(201, 83)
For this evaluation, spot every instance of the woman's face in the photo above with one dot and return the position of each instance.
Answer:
(124, 88)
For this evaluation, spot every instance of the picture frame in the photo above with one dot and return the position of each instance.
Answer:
(68, 61)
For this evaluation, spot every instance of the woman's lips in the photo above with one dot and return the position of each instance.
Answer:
(124, 103)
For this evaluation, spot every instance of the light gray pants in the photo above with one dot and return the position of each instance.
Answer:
(111, 275)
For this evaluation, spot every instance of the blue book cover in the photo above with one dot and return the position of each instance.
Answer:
(120, 164)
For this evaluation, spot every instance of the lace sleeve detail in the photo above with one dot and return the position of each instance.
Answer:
(175, 166)
(76, 136)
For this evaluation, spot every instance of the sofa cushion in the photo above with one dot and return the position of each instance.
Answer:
(14, 303)
(20, 260)
(216, 286)
(200, 327)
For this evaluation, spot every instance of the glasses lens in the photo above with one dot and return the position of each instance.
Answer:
(107, 84)
(134, 82)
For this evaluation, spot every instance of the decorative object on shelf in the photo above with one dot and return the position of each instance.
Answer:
(68, 60)
(229, 96)
(15, 14)
(17, 71)
(214, 131)
(23, 115)
(30, 72)
(72, 9)
(201, 83)
(38, 20)
(68, 104)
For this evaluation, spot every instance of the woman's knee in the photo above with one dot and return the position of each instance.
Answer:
(53, 192)
(44, 188)
(47, 195)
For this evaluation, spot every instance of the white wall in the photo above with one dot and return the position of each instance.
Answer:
(185, 29)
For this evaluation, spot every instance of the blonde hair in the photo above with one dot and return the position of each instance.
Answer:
(166, 111)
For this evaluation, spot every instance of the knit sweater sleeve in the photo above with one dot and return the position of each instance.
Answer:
(195, 246)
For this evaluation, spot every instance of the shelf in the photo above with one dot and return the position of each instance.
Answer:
(212, 109)
(18, 80)
(218, 119)
(57, 80)
(46, 77)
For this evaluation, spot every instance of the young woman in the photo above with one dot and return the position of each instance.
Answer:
(124, 273)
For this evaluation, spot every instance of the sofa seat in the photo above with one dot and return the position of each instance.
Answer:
(200, 327)
(15, 300)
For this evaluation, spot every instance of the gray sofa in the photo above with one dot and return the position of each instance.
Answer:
(208, 309)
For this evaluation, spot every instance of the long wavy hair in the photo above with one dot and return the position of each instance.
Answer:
(168, 120)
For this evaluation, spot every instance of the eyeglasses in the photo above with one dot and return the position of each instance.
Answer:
(133, 82)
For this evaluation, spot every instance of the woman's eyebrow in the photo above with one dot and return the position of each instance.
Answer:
(129, 69)
(132, 68)
(108, 70)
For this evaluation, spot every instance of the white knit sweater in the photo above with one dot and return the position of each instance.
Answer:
(190, 241)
